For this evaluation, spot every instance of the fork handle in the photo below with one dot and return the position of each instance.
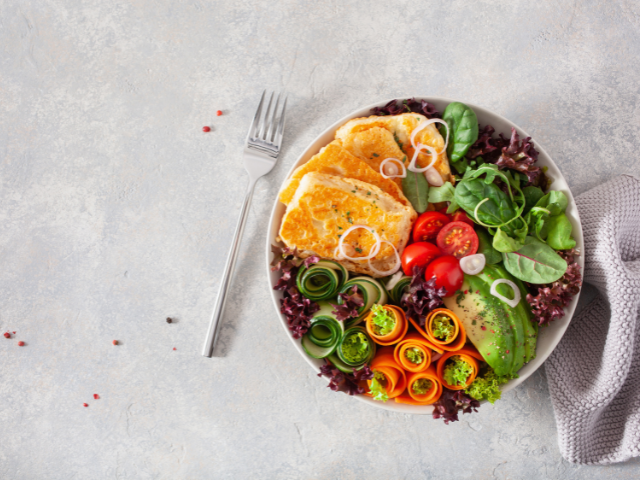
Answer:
(218, 310)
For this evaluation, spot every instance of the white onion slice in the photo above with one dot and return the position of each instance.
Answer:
(473, 264)
(384, 162)
(434, 156)
(394, 269)
(433, 177)
(422, 125)
(372, 253)
(512, 303)
(393, 281)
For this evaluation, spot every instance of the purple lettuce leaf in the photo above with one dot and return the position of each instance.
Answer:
(396, 107)
(423, 296)
(451, 402)
(350, 305)
(297, 309)
(548, 305)
(345, 382)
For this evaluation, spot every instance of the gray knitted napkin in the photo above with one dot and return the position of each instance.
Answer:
(594, 373)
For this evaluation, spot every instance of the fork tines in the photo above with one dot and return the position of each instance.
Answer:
(265, 133)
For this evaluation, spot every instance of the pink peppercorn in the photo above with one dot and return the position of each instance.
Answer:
(21, 343)
(115, 342)
(206, 129)
(219, 112)
(85, 404)
(7, 335)
(96, 396)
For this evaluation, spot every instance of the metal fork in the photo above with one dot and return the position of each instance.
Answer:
(260, 155)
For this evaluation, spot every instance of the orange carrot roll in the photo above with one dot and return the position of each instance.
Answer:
(444, 329)
(413, 352)
(379, 334)
(423, 388)
(467, 355)
(387, 373)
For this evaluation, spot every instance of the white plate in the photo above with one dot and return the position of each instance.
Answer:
(548, 337)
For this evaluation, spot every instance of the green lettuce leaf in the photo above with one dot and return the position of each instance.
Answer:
(442, 328)
(487, 387)
(383, 321)
(414, 355)
(457, 371)
(421, 386)
(377, 390)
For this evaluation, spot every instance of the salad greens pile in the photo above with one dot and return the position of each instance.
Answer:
(442, 327)
(422, 386)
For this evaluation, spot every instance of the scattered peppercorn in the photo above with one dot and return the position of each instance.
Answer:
(85, 404)
(206, 129)
(169, 320)
(21, 343)
(7, 335)
(115, 342)
(174, 348)
(96, 396)
(219, 112)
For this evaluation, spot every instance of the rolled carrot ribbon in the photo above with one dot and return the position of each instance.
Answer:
(422, 345)
(396, 381)
(457, 340)
(432, 395)
(399, 329)
(467, 354)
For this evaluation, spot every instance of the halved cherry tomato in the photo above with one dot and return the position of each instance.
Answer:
(428, 225)
(420, 254)
(444, 212)
(457, 239)
(461, 216)
(447, 272)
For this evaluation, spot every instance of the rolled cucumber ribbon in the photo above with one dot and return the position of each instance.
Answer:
(356, 347)
(322, 280)
(325, 332)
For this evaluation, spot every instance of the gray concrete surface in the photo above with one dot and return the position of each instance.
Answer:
(116, 211)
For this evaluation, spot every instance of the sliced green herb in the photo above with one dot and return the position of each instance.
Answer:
(457, 371)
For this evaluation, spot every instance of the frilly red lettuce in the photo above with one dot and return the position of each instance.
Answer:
(451, 402)
(422, 297)
(345, 382)
(548, 305)
(396, 107)
(297, 309)
(350, 305)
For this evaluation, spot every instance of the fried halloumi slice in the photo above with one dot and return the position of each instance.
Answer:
(401, 127)
(373, 146)
(335, 160)
(325, 206)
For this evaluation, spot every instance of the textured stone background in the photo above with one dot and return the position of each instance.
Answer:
(117, 211)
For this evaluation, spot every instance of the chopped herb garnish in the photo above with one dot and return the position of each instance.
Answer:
(368, 193)
(359, 250)
(349, 220)
(376, 155)
(339, 228)
(353, 191)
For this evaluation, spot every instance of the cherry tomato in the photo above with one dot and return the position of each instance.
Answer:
(457, 239)
(447, 272)
(461, 216)
(428, 225)
(420, 254)
(444, 212)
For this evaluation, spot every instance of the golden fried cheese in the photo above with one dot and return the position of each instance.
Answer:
(373, 146)
(335, 160)
(325, 206)
(401, 127)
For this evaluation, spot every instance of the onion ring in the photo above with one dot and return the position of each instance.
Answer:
(383, 163)
(372, 253)
(394, 269)
(422, 125)
(516, 291)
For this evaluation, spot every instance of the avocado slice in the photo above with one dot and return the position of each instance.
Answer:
(498, 331)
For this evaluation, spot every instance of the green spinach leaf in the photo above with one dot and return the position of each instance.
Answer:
(445, 193)
(554, 201)
(559, 237)
(532, 195)
(536, 262)
(463, 125)
(491, 255)
(416, 189)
